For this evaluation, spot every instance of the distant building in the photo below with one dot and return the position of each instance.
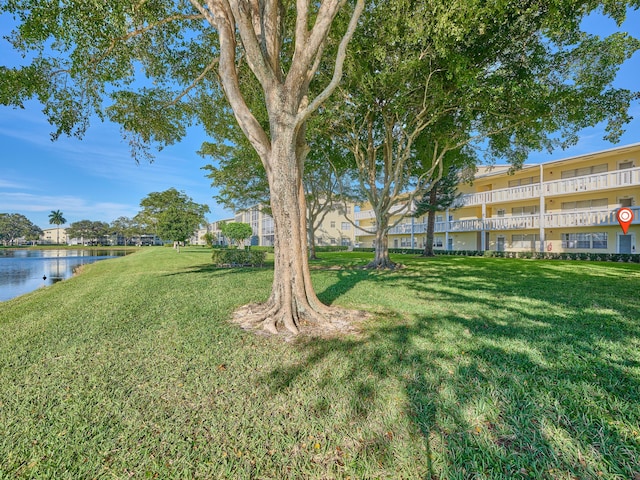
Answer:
(216, 230)
(198, 236)
(51, 236)
(335, 229)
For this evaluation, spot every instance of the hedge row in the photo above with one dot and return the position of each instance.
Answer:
(232, 257)
(598, 257)
(332, 248)
(324, 248)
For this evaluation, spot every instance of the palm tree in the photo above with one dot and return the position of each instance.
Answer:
(56, 218)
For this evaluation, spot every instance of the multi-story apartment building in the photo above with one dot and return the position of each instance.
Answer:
(215, 228)
(54, 235)
(566, 205)
(335, 229)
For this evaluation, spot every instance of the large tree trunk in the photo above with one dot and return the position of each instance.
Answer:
(311, 219)
(312, 246)
(381, 259)
(259, 26)
(431, 224)
(293, 301)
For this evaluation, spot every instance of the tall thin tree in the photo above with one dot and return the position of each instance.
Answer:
(56, 218)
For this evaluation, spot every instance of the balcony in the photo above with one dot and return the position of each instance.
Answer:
(586, 218)
(588, 183)
(524, 192)
(368, 214)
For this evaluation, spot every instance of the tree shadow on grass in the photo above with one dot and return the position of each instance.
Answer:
(525, 376)
(347, 279)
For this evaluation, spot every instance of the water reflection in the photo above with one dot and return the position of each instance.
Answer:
(22, 271)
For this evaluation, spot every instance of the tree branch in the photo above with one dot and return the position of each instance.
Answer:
(220, 13)
(337, 72)
(247, 21)
(199, 78)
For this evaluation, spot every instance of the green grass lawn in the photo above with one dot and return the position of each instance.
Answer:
(472, 368)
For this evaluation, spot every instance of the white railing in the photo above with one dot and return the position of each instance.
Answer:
(408, 228)
(523, 222)
(587, 218)
(367, 214)
(364, 215)
(588, 183)
(583, 219)
(501, 195)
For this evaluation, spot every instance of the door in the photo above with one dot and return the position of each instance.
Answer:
(500, 244)
(624, 243)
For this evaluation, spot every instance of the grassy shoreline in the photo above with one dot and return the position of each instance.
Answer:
(69, 247)
(472, 368)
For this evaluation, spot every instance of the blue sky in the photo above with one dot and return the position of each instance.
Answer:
(95, 178)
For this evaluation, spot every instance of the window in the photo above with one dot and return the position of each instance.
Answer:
(345, 226)
(579, 172)
(333, 241)
(626, 202)
(501, 212)
(437, 242)
(586, 204)
(524, 181)
(333, 224)
(524, 241)
(405, 242)
(625, 165)
(439, 218)
(598, 240)
(584, 240)
(531, 210)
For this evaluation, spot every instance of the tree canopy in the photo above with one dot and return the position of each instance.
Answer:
(88, 230)
(426, 80)
(56, 217)
(236, 232)
(175, 215)
(14, 226)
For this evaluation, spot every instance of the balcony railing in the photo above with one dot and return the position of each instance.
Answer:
(586, 218)
(501, 195)
(588, 183)
(367, 214)
(406, 228)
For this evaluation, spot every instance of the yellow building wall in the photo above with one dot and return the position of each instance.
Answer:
(336, 229)
(560, 206)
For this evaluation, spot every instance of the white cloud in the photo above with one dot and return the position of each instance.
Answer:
(10, 184)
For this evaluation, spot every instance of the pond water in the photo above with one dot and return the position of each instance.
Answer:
(24, 270)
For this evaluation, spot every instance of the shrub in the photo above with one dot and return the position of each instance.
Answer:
(231, 257)
(601, 257)
(261, 248)
(332, 248)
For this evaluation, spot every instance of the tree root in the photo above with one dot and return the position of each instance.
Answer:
(272, 320)
(378, 265)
